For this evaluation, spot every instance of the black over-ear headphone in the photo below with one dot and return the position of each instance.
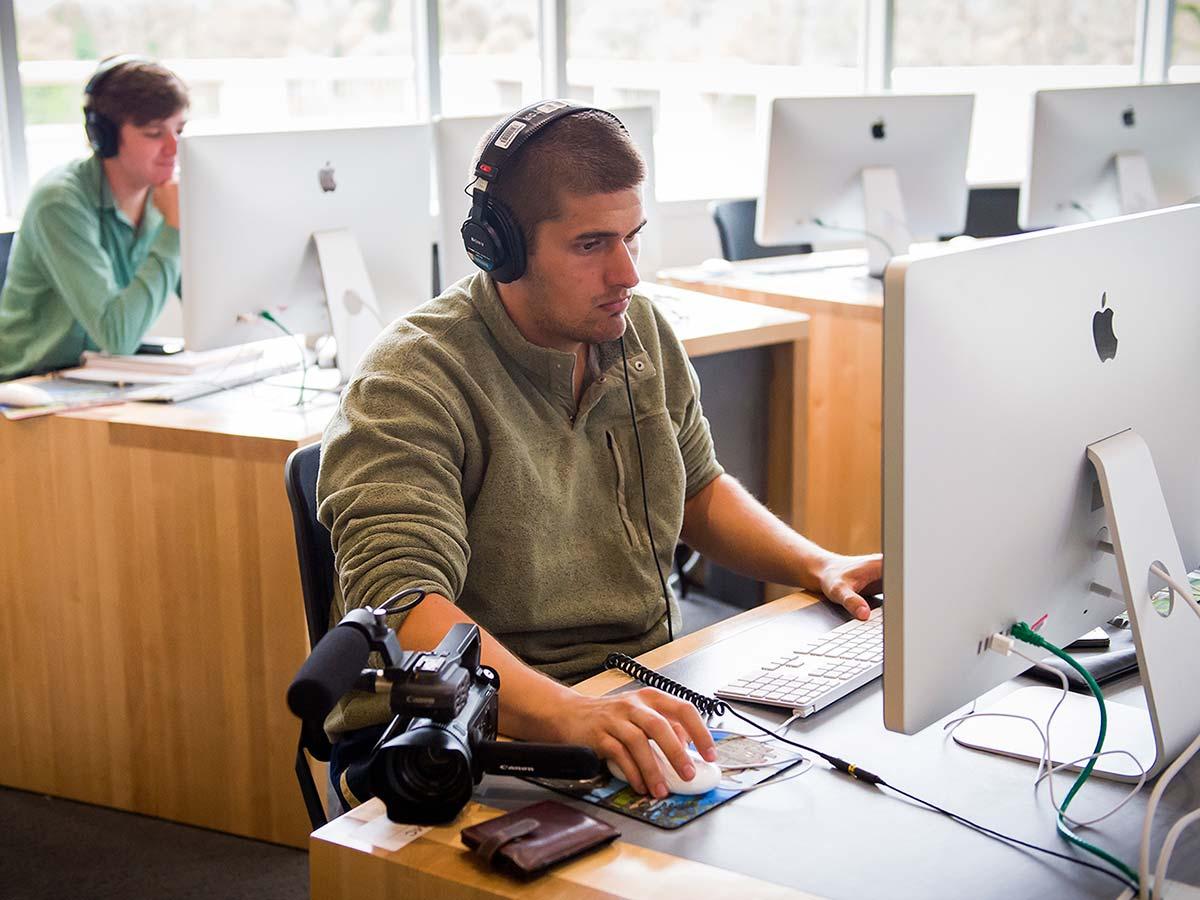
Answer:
(491, 235)
(103, 133)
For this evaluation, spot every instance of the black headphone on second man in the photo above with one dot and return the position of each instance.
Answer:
(491, 235)
(103, 134)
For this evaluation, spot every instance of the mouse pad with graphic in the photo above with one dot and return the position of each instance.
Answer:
(745, 761)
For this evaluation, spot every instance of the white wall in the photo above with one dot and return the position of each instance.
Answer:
(688, 234)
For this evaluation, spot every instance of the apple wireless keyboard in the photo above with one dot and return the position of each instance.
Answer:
(819, 671)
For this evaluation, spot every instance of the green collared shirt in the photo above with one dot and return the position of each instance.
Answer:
(460, 463)
(80, 276)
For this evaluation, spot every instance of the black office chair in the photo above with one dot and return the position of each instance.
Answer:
(735, 227)
(992, 212)
(317, 573)
(6, 240)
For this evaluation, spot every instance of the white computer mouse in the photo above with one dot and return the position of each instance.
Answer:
(715, 265)
(14, 393)
(707, 777)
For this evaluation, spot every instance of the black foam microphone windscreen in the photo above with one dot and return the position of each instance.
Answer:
(328, 673)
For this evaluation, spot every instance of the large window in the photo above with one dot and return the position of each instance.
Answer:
(249, 64)
(1185, 52)
(1004, 50)
(707, 67)
(489, 55)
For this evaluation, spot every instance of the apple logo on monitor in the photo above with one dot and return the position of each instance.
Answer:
(1127, 117)
(877, 130)
(326, 179)
(1102, 330)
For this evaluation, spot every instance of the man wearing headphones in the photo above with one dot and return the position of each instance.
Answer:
(97, 253)
(527, 448)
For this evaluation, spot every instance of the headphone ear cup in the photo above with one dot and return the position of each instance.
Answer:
(513, 241)
(101, 134)
(484, 247)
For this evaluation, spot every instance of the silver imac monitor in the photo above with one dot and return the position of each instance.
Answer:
(1028, 384)
(254, 207)
(456, 138)
(882, 170)
(1095, 153)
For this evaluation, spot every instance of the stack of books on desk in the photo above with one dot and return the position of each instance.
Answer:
(151, 369)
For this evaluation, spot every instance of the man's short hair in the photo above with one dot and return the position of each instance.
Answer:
(583, 153)
(140, 92)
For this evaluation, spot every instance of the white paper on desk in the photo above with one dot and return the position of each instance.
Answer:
(122, 376)
(228, 374)
(65, 395)
(188, 362)
(382, 832)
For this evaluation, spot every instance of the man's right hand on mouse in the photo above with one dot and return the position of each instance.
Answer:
(619, 728)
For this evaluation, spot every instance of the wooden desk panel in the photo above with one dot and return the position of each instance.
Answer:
(842, 485)
(437, 865)
(151, 614)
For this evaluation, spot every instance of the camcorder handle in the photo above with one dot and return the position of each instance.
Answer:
(530, 760)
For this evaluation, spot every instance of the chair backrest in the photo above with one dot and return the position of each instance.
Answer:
(735, 227)
(6, 240)
(315, 553)
(313, 547)
(992, 212)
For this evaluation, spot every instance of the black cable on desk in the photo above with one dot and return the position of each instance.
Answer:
(871, 778)
(716, 707)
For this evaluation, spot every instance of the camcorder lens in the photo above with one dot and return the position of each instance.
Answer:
(424, 785)
(430, 772)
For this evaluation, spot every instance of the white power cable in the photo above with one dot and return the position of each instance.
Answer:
(1051, 769)
(1187, 593)
(1046, 769)
(1168, 847)
(799, 769)
(1084, 823)
(1160, 788)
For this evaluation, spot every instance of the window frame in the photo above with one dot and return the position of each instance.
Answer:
(1152, 55)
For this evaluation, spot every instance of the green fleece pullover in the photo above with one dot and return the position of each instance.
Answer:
(80, 276)
(458, 463)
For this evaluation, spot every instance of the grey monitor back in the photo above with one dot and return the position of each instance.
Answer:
(249, 204)
(993, 388)
(1077, 134)
(817, 148)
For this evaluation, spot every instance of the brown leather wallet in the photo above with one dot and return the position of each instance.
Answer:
(530, 840)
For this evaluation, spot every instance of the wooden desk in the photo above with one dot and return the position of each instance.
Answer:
(819, 833)
(150, 599)
(842, 483)
(346, 861)
(150, 608)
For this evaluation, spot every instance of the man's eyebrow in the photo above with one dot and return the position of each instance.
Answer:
(595, 235)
